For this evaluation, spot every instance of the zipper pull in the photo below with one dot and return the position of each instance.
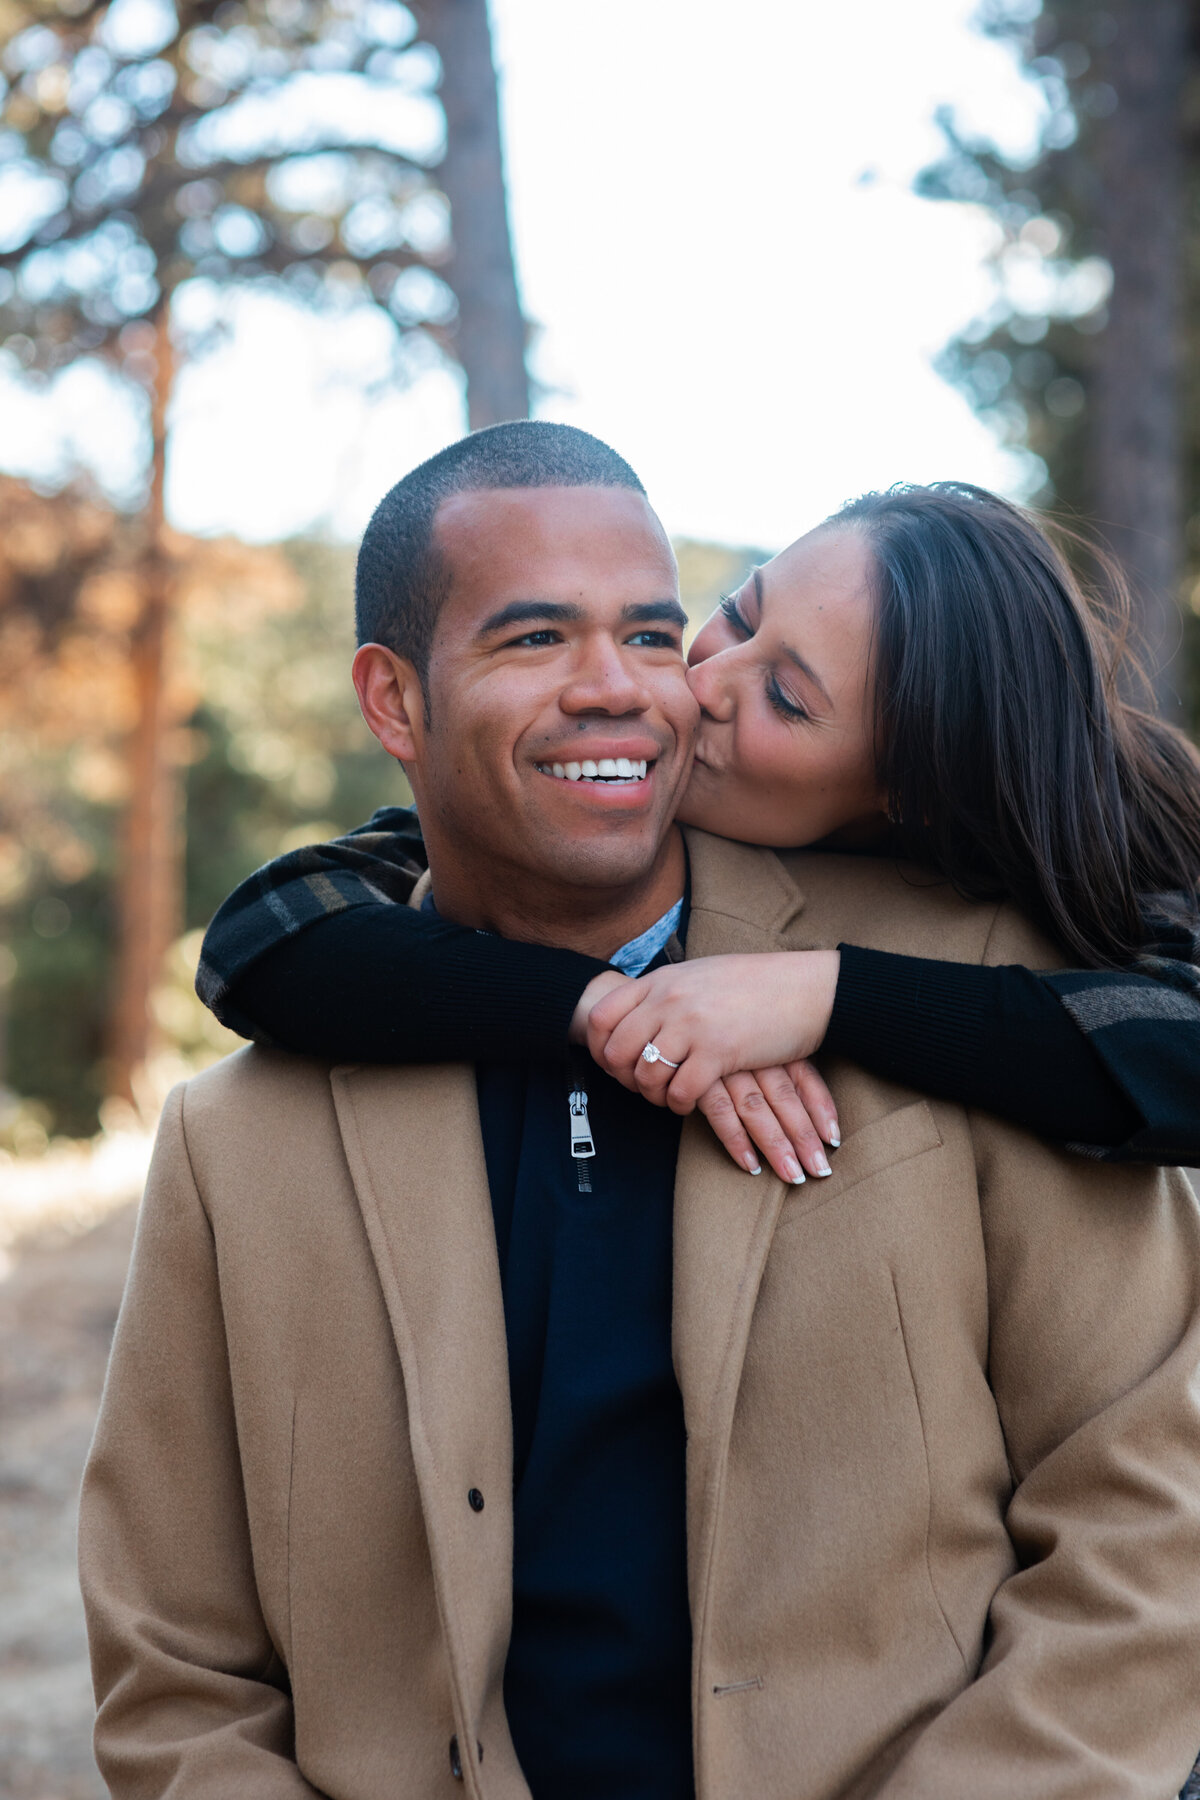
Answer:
(581, 1125)
(582, 1147)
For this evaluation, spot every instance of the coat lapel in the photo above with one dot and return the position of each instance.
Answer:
(742, 900)
(724, 1223)
(413, 1145)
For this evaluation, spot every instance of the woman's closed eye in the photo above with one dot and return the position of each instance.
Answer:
(786, 707)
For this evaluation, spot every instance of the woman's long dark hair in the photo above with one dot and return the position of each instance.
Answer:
(1012, 762)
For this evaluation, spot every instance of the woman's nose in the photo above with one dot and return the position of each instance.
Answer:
(713, 635)
(710, 684)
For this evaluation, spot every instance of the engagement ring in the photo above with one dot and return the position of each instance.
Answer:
(653, 1054)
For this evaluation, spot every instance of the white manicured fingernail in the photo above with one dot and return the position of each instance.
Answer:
(749, 1162)
(834, 1139)
(793, 1171)
(822, 1164)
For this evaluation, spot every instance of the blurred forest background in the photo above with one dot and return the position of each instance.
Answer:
(176, 710)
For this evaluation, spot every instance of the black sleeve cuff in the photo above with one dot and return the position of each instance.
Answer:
(892, 1013)
(997, 1039)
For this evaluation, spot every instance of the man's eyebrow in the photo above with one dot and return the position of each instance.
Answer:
(528, 612)
(525, 612)
(654, 612)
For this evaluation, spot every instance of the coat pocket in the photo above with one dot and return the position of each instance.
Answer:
(883, 1144)
(825, 1584)
(864, 1401)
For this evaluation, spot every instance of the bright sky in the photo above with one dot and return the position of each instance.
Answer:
(715, 232)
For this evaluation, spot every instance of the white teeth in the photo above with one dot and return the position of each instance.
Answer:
(609, 768)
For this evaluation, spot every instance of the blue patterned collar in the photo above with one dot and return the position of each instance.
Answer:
(641, 951)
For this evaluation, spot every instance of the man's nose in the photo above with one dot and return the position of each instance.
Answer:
(605, 679)
(712, 687)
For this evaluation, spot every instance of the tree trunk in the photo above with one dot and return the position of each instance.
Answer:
(490, 334)
(1138, 439)
(148, 899)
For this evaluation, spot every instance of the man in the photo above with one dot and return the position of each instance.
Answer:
(473, 1426)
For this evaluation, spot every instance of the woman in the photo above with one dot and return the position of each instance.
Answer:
(919, 677)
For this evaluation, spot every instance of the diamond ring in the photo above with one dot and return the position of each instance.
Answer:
(653, 1054)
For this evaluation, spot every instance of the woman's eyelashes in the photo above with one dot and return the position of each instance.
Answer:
(736, 618)
(787, 709)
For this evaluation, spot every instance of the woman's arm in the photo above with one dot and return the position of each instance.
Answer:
(998, 1039)
(317, 953)
(388, 984)
(1146, 1033)
(379, 863)
(994, 1038)
(320, 954)
(1107, 1061)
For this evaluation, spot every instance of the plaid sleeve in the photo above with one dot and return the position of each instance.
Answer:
(379, 862)
(1144, 1024)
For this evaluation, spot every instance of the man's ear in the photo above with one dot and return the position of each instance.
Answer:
(391, 699)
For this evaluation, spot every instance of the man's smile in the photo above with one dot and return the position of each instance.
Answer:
(621, 784)
(609, 769)
(618, 769)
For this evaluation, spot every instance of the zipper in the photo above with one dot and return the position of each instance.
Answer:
(582, 1147)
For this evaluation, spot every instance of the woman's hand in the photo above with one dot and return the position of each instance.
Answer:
(711, 1018)
(719, 1018)
(772, 1110)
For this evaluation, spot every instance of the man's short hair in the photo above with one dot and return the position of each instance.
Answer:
(401, 582)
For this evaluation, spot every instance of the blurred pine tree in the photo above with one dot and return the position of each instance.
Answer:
(1089, 354)
(146, 145)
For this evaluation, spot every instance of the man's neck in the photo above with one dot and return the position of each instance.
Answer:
(593, 921)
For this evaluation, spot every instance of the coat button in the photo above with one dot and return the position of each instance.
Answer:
(475, 1500)
(456, 1759)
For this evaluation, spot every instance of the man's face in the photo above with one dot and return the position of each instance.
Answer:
(560, 721)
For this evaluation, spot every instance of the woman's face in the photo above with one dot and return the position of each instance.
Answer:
(786, 753)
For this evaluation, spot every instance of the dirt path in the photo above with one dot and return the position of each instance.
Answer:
(58, 1306)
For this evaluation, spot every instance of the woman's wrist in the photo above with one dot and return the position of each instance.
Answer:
(814, 975)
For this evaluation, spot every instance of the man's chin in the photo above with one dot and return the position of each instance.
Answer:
(605, 861)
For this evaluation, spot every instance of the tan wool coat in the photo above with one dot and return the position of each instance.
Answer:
(943, 1412)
